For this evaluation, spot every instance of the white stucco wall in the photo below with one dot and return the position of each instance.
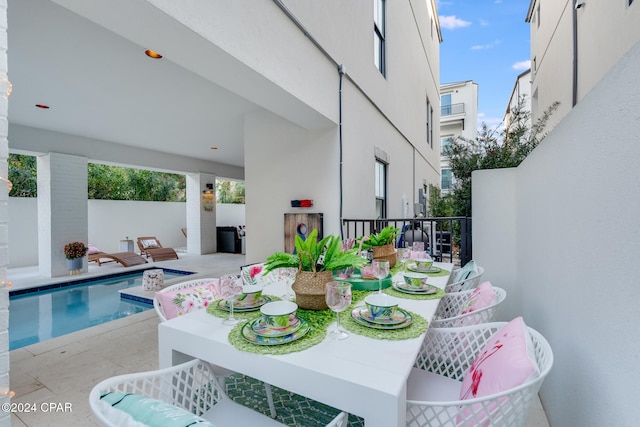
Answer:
(570, 266)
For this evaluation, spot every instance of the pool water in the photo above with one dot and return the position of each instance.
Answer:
(73, 306)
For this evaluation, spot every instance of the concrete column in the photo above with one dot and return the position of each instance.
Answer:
(201, 214)
(62, 210)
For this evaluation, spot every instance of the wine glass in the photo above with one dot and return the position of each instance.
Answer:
(404, 254)
(338, 297)
(381, 270)
(230, 290)
(288, 276)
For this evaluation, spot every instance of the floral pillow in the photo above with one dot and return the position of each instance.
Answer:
(506, 361)
(481, 297)
(182, 301)
(150, 244)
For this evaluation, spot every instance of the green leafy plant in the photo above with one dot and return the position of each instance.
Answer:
(326, 254)
(387, 235)
(75, 250)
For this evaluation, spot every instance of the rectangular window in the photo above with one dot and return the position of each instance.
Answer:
(429, 124)
(445, 183)
(379, 24)
(445, 141)
(381, 189)
(445, 105)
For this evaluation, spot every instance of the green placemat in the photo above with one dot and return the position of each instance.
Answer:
(417, 327)
(318, 321)
(243, 315)
(396, 293)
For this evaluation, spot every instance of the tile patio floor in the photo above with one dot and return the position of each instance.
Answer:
(64, 369)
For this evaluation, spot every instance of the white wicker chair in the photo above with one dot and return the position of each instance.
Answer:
(434, 384)
(220, 372)
(449, 312)
(466, 284)
(191, 386)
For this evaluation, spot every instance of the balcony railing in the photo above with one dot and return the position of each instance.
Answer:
(451, 109)
(448, 236)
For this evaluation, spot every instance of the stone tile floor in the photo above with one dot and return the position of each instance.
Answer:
(63, 370)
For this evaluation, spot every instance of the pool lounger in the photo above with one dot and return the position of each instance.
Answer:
(127, 259)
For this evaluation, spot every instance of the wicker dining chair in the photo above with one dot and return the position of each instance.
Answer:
(435, 382)
(450, 309)
(220, 372)
(190, 387)
(469, 283)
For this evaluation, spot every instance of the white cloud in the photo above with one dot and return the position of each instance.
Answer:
(484, 23)
(486, 46)
(451, 22)
(522, 65)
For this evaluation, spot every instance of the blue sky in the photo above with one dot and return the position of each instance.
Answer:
(486, 41)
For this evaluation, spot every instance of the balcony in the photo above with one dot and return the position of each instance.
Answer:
(452, 110)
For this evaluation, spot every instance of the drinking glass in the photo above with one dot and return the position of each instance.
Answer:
(230, 289)
(338, 297)
(404, 254)
(288, 276)
(381, 270)
(418, 246)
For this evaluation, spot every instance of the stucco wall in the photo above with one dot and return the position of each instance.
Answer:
(568, 251)
(109, 222)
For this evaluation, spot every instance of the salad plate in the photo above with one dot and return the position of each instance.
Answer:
(398, 317)
(248, 334)
(355, 315)
(424, 289)
(238, 307)
(414, 267)
(261, 327)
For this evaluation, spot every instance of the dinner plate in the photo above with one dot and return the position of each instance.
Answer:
(398, 317)
(432, 269)
(425, 289)
(261, 327)
(355, 315)
(224, 305)
(247, 333)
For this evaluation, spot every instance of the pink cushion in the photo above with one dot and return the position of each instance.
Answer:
(481, 297)
(92, 249)
(505, 362)
(182, 301)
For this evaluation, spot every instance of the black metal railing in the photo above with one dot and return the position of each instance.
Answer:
(449, 238)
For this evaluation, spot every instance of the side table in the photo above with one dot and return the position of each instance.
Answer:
(126, 245)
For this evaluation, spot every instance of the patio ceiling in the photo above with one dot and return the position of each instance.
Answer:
(100, 85)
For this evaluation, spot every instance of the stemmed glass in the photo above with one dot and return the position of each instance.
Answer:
(404, 254)
(288, 276)
(338, 297)
(381, 270)
(230, 290)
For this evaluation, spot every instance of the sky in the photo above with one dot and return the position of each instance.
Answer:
(486, 41)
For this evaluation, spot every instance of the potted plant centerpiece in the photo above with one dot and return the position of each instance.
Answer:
(382, 244)
(315, 260)
(74, 252)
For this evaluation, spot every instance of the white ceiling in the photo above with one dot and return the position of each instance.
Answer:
(102, 86)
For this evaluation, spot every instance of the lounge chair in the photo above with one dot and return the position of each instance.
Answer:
(151, 247)
(127, 259)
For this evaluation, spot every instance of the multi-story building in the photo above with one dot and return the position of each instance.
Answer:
(332, 101)
(458, 118)
(521, 93)
(574, 43)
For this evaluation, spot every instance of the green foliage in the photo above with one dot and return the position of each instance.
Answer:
(493, 149)
(229, 191)
(119, 183)
(387, 235)
(324, 255)
(23, 175)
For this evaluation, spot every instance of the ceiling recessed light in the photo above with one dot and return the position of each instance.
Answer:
(46, 107)
(214, 148)
(152, 54)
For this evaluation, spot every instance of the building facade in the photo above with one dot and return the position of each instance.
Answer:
(458, 118)
(574, 43)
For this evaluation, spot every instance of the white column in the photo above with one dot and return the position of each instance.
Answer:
(201, 214)
(62, 210)
(5, 396)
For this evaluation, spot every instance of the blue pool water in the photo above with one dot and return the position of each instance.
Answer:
(51, 311)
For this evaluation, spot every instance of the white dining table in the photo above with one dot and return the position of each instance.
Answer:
(360, 375)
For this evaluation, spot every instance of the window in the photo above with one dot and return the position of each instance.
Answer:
(445, 183)
(538, 13)
(429, 124)
(445, 105)
(445, 141)
(379, 25)
(381, 189)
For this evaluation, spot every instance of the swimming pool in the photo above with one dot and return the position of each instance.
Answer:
(53, 310)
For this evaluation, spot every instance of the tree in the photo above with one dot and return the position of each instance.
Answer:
(493, 149)
(23, 175)
(229, 191)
